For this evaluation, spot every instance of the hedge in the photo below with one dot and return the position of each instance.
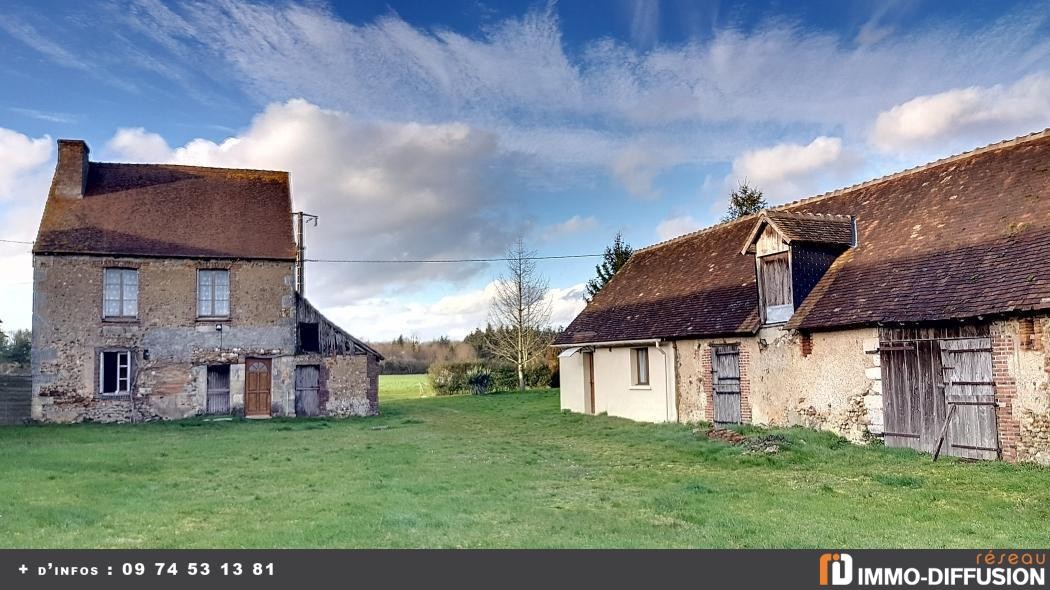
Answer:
(453, 378)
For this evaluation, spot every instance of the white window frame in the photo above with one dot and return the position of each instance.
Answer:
(126, 278)
(638, 368)
(209, 296)
(123, 359)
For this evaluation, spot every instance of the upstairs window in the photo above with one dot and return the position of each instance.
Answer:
(640, 366)
(774, 272)
(309, 337)
(213, 293)
(120, 293)
(114, 372)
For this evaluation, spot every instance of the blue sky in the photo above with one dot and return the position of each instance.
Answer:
(444, 129)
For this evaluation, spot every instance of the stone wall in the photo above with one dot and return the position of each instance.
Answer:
(1021, 366)
(834, 386)
(170, 346)
(352, 384)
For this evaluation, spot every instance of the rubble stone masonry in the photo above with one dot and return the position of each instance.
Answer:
(171, 347)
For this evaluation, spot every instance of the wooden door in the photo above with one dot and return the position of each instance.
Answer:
(257, 382)
(725, 369)
(307, 390)
(925, 372)
(588, 369)
(970, 388)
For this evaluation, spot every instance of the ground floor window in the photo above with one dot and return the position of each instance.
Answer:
(114, 372)
(218, 389)
(640, 366)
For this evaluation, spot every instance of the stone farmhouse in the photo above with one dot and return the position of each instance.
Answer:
(913, 308)
(162, 292)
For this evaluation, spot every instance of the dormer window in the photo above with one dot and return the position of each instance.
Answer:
(774, 272)
(792, 252)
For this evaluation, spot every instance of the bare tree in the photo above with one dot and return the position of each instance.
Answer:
(519, 312)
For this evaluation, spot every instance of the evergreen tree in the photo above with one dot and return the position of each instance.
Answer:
(612, 261)
(745, 200)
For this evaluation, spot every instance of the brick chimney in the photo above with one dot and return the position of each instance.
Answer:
(72, 169)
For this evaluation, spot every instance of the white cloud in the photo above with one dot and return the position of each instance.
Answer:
(19, 156)
(382, 190)
(677, 226)
(25, 175)
(135, 144)
(791, 170)
(982, 113)
(572, 225)
(453, 315)
(688, 102)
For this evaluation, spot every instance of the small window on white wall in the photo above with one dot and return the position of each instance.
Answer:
(640, 366)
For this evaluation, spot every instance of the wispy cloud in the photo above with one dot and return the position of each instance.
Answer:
(630, 110)
(50, 117)
(675, 226)
(572, 225)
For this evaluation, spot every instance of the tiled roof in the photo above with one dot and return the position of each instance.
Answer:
(809, 227)
(962, 237)
(166, 210)
(695, 285)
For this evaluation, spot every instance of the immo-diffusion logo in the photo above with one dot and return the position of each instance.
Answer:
(836, 569)
(991, 569)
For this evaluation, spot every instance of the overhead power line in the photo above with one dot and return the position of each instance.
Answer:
(450, 260)
(411, 261)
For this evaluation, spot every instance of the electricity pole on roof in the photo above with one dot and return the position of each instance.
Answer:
(300, 250)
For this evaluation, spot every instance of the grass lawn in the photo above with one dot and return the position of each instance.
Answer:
(505, 470)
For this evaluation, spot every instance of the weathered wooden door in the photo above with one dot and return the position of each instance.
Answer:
(307, 390)
(257, 382)
(588, 369)
(925, 371)
(969, 386)
(725, 369)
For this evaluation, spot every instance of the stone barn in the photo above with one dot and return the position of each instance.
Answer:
(163, 292)
(913, 308)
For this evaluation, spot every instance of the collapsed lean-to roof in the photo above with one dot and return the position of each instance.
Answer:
(172, 211)
(962, 237)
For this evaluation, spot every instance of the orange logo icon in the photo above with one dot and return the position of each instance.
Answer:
(836, 569)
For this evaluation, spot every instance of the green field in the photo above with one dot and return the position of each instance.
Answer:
(400, 387)
(506, 470)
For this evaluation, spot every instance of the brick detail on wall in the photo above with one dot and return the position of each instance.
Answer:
(707, 376)
(1005, 391)
(806, 343)
(745, 385)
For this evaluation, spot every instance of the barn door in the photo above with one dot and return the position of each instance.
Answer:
(969, 387)
(725, 367)
(257, 387)
(307, 390)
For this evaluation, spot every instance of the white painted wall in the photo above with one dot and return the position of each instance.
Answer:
(614, 393)
(573, 389)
